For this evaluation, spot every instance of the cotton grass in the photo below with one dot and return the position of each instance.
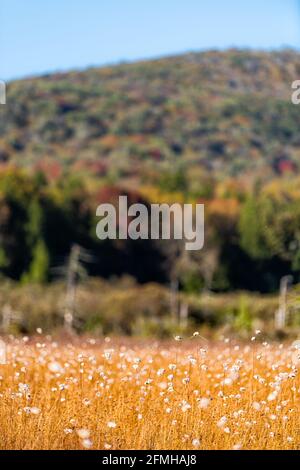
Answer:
(150, 395)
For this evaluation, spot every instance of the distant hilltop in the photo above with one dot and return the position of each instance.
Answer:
(228, 114)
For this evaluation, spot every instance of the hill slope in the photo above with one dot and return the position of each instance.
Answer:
(227, 113)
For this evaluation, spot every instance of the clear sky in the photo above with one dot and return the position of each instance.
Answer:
(38, 36)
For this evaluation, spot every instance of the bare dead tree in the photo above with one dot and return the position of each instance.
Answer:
(72, 273)
(281, 312)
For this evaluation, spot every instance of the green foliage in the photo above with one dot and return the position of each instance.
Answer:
(173, 181)
(4, 262)
(35, 220)
(192, 282)
(243, 320)
(250, 228)
(39, 267)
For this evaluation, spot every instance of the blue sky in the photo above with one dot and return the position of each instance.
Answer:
(38, 36)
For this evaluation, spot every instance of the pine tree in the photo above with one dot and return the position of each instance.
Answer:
(251, 230)
(39, 267)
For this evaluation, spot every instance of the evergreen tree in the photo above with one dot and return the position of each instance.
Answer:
(39, 267)
(251, 230)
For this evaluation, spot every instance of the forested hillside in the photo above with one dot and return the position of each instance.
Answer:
(223, 112)
(213, 127)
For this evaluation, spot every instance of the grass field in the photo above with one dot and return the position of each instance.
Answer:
(129, 394)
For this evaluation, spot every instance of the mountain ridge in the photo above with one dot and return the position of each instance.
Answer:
(227, 113)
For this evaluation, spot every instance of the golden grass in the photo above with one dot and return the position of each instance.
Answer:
(132, 395)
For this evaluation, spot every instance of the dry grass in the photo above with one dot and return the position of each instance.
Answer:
(132, 395)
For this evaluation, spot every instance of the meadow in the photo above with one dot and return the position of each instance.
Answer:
(182, 393)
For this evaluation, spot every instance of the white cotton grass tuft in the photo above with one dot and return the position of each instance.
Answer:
(272, 396)
(244, 395)
(23, 388)
(87, 443)
(196, 334)
(55, 367)
(237, 446)
(83, 433)
(256, 405)
(203, 402)
(111, 424)
(196, 443)
(178, 338)
(185, 406)
(222, 421)
(296, 344)
(296, 357)
(68, 431)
